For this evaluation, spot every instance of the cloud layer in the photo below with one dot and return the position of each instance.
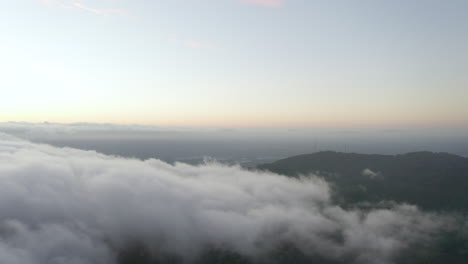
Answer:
(62, 205)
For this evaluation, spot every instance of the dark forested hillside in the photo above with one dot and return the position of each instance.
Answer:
(433, 181)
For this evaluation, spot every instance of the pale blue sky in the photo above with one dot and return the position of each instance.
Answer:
(235, 62)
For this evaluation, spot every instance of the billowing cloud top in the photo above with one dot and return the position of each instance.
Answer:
(62, 205)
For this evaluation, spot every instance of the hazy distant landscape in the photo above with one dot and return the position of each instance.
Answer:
(246, 146)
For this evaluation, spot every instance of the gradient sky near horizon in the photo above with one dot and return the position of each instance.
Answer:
(285, 63)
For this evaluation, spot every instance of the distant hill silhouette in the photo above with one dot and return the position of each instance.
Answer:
(435, 181)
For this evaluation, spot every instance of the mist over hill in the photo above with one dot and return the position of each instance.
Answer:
(141, 202)
(64, 205)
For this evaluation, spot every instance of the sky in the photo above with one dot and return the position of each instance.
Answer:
(235, 63)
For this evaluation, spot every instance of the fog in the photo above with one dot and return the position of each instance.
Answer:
(64, 205)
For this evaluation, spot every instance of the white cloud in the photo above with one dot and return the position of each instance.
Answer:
(62, 205)
(268, 3)
(372, 174)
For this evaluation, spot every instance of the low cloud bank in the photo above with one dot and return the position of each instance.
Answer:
(63, 205)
